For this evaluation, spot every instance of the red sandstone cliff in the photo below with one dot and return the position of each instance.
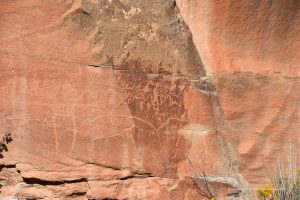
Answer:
(107, 99)
(252, 51)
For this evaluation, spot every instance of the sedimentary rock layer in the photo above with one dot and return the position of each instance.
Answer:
(105, 100)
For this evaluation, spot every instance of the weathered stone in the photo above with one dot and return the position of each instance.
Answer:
(109, 99)
(251, 50)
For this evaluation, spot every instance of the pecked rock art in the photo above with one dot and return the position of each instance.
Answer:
(109, 99)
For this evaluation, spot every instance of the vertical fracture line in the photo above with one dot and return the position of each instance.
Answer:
(55, 133)
(74, 129)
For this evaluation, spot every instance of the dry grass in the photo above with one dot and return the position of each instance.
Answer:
(285, 180)
(201, 182)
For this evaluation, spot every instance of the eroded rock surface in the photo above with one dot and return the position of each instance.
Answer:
(105, 100)
(108, 99)
(251, 49)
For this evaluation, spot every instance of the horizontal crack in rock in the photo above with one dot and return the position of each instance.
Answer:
(219, 179)
(77, 194)
(7, 166)
(45, 182)
(136, 176)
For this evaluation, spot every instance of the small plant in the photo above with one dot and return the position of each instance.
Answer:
(201, 183)
(265, 193)
(3, 144)
(285, 180)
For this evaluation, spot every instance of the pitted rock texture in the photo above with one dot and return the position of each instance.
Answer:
(106, 99)
(245, 36)
(252, 49)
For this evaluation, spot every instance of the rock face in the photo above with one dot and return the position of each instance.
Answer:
(252, 51)
(109, 99)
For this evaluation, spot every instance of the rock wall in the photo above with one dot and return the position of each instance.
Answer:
(251, 49)
(109, 99)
